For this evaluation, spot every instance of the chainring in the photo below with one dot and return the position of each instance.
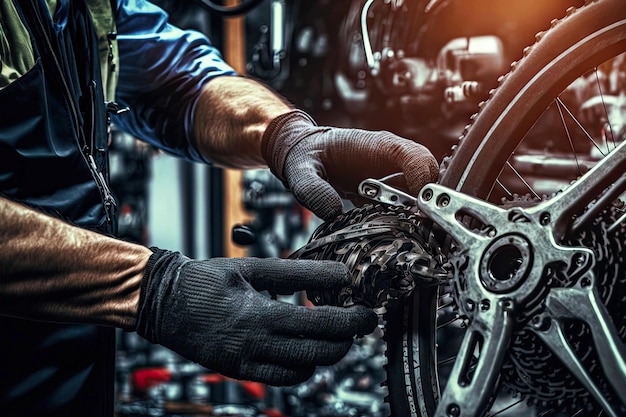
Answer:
(531, 369)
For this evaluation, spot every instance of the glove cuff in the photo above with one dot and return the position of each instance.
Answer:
(145, 313)
(281, 135)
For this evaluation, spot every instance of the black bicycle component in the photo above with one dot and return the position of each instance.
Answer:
(386, 250)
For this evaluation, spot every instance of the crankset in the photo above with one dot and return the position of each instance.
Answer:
(512, 272)
(535, 287)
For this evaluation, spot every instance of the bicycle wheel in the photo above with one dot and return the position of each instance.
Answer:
(569, 86)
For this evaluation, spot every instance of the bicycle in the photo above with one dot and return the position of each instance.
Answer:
(499, 290)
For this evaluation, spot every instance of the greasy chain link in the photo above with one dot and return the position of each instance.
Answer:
(386, 249)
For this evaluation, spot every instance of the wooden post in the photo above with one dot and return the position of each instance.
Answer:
(234, 212)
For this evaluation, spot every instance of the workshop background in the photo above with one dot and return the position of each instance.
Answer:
(314, 54)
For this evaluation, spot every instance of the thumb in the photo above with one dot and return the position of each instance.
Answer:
(285, 276)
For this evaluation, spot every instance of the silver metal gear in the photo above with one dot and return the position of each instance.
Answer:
(530, 369)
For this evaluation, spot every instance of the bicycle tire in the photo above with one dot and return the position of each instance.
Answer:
(583, 38)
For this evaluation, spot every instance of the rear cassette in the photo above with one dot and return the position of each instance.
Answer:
(387, 249)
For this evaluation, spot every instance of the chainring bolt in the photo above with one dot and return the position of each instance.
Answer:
(427, 195)
(454, 410)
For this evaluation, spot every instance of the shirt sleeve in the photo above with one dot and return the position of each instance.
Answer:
(162, 70)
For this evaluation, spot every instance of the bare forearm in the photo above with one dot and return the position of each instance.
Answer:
(53, 271)
(231, 117)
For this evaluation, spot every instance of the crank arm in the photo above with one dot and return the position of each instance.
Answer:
(583, 303)
(473, 381)
(558, 211)
(446, 207)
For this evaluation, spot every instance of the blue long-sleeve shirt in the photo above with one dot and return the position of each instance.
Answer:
(162, 70)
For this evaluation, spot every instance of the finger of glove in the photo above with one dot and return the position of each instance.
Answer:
(419, 166)
(326, 322)
(275, 375)
(290, 351)
(313, 192)
(380, 154)
(285, 276)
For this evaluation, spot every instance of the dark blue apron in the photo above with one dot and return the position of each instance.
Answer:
(53, 156)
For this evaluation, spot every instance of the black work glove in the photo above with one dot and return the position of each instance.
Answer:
(211, 313)
(320, 165)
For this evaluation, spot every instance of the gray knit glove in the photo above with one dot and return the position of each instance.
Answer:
(211, 313)
(320, 165)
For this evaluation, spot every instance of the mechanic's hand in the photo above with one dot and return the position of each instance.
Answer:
(305, 156)
(211, 313)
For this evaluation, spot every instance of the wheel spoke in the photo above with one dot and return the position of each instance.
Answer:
(606, 112)
(447, 360)
(523, 180)
(507, 408)
(561, 106)
(615, 225)
(447, 323)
